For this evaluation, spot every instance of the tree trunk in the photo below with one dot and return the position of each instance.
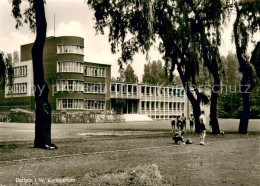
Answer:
(213, 68)
(246, 87)
(247, 83)
(243, 125)
(194, 102)
(41, 90)
(213, 105)
(196, 113)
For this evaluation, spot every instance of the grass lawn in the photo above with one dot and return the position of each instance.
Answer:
(150, 159)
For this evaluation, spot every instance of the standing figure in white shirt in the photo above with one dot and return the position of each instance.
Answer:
(203, 129)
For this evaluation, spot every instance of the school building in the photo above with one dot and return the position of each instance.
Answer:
(80, 86)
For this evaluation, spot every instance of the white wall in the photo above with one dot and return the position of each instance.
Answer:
(28, 79)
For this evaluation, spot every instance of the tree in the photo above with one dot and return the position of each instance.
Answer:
(6, 70)
(229, 99)
(35, 16)
(136, 25)
(154, 73)
(118, 105)
(128, 75)
(206, 29)
(231, 75)
(246, 24)
(15, 57)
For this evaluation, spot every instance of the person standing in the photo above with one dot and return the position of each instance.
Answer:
(191, 122)
(183, 121)
(179, 123)
(203, 129)
(173, 123)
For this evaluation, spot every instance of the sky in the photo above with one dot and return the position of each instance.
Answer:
(74, 18)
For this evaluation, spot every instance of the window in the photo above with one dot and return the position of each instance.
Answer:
(113, 88)
(73, 49)
(94, 88)
(94, 71)
(129, 90)
(118, 88)
(69, 66)
(142, 105)
(162, 91)
(20, 71)
(147, 105)
(162, 106)
(18, 88)
(182, 106)
(70, 104)
(147, 91)
(152, 105)
(124, 89)
(135, 90)
(152, 90)
(142, 90)
(69, 85)
(170, 105)
(94, 105)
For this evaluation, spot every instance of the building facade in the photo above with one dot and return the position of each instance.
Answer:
(158, 102)
(77, 85)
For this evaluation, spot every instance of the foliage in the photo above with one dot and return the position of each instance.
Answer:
(185, 29)
(246, 25)
(6, 70)
(204, 79)
(128, 75)
(27, 17)
(229, 105)
(118, 105)
(136, 25)
(16, 57)
(154, 73)
(255, 103)
(231, 76)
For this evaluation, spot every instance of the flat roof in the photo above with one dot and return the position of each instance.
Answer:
(50, 37)
(96, 63)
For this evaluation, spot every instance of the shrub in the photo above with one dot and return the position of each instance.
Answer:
(140, 175)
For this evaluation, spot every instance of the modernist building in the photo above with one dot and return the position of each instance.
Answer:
(78, 85)
(158, 102)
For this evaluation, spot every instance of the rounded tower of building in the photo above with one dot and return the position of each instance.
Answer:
(63, 63)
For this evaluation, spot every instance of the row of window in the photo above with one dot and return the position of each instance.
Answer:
(70, 104)
(20, 71)
(73, 49)
(14, 104)
(125, 89)
(69, 66)
(94, 105)
(94, 88)
(79, 104)
(69, 85)
(162, 105)
(18, 88)
(94, 71)
(76, 66)
(154, 91)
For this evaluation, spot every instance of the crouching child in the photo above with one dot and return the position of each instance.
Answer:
(177, 138)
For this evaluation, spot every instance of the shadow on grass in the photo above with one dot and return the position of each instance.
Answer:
(8, 148)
